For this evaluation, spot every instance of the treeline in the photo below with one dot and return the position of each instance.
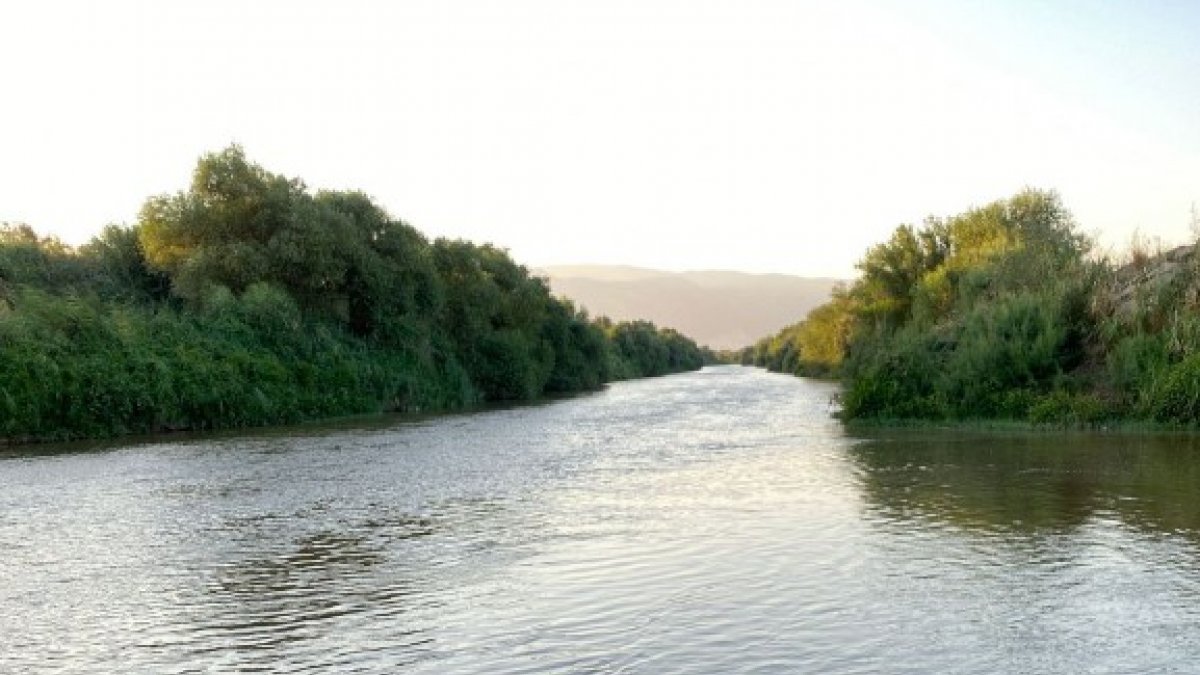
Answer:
(250, 300)
(1004, 312)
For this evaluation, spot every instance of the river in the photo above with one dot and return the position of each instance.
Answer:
(711, 522)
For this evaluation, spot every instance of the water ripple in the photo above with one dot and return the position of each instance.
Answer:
(717, 522)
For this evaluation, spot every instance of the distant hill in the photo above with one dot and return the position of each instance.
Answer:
(723, 310)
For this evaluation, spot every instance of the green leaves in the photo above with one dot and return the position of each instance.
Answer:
(976, 315)
(247, 300)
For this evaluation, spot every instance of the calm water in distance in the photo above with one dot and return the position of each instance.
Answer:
(713, 522)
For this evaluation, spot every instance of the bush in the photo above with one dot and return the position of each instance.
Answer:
(247, 300)
(1068, 409)
(1135, 363)
(1175, 397)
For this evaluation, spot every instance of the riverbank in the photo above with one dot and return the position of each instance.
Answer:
(1005, 312)
(247, 300)
(335, 424)
(1115, 427)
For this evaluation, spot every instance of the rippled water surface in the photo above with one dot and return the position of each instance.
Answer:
(715, 522)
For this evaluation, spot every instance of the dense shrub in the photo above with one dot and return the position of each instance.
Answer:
(988, 314)
(247, 300)
(1175, 396)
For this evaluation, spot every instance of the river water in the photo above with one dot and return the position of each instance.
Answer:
(712, 522)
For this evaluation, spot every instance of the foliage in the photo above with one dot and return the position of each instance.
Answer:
(993, 313)
(641, 349)
(39, 262)
(814, 347)
(248, 300)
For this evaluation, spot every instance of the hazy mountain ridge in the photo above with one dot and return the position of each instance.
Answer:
(722, 309)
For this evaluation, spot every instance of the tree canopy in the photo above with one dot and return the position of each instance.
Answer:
(988, 313)
(249, 299)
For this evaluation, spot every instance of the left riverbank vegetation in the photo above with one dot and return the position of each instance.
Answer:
(1005, 312)
(249, 300)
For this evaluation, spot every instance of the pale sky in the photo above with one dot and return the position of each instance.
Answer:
(746, 135)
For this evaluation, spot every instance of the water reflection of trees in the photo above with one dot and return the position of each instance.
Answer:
(293, 579)
(291, 585)
(311, 561)
(1033, 482)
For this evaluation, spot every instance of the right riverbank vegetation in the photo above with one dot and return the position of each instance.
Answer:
(1005, 312)
(250, 300)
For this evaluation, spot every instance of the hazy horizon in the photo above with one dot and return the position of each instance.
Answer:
(723, 309)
